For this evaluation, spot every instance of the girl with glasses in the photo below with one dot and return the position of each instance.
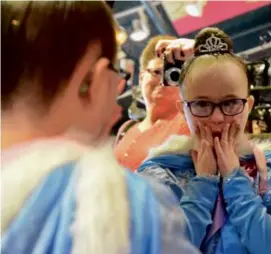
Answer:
(237, 173)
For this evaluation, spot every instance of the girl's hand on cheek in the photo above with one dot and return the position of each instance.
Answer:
(227, 158)
(204, 159)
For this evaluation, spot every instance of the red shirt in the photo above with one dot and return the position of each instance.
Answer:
(134, 147)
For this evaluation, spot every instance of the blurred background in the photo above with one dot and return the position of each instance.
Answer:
(248, 22)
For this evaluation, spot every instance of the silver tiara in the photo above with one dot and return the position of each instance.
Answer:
(213, 44)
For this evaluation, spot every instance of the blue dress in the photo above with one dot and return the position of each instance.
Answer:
(43, 225)
(247, 225)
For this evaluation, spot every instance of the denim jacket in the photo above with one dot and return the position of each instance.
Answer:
(247, 226)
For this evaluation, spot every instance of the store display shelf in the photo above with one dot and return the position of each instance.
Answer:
(262, 107)
(261, 88)
(261, 136)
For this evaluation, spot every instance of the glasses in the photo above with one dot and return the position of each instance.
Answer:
(113, 68)
(230, 107)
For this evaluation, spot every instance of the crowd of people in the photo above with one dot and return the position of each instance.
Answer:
(186, 179)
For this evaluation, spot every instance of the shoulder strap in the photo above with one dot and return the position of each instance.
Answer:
(123, 129)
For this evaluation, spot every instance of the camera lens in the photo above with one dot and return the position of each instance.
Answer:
(175, 76)
(172, 76)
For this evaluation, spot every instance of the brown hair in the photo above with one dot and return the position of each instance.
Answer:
(148, 52)
(200, 40)
(43, 41)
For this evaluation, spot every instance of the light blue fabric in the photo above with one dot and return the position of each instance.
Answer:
(43, 225)
(197, 195)
(248, 226)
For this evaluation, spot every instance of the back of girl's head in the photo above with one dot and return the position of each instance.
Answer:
(211, 45)
(43, 41)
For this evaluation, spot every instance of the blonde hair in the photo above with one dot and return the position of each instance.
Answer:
(148, 52)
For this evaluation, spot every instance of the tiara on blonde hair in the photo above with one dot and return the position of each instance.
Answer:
(213, 45)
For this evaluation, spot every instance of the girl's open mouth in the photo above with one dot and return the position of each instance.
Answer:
(217, 134)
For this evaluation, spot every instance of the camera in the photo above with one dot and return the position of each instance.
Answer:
(171, 73)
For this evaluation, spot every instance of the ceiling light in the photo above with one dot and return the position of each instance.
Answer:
(194, 9)
(121, 35)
